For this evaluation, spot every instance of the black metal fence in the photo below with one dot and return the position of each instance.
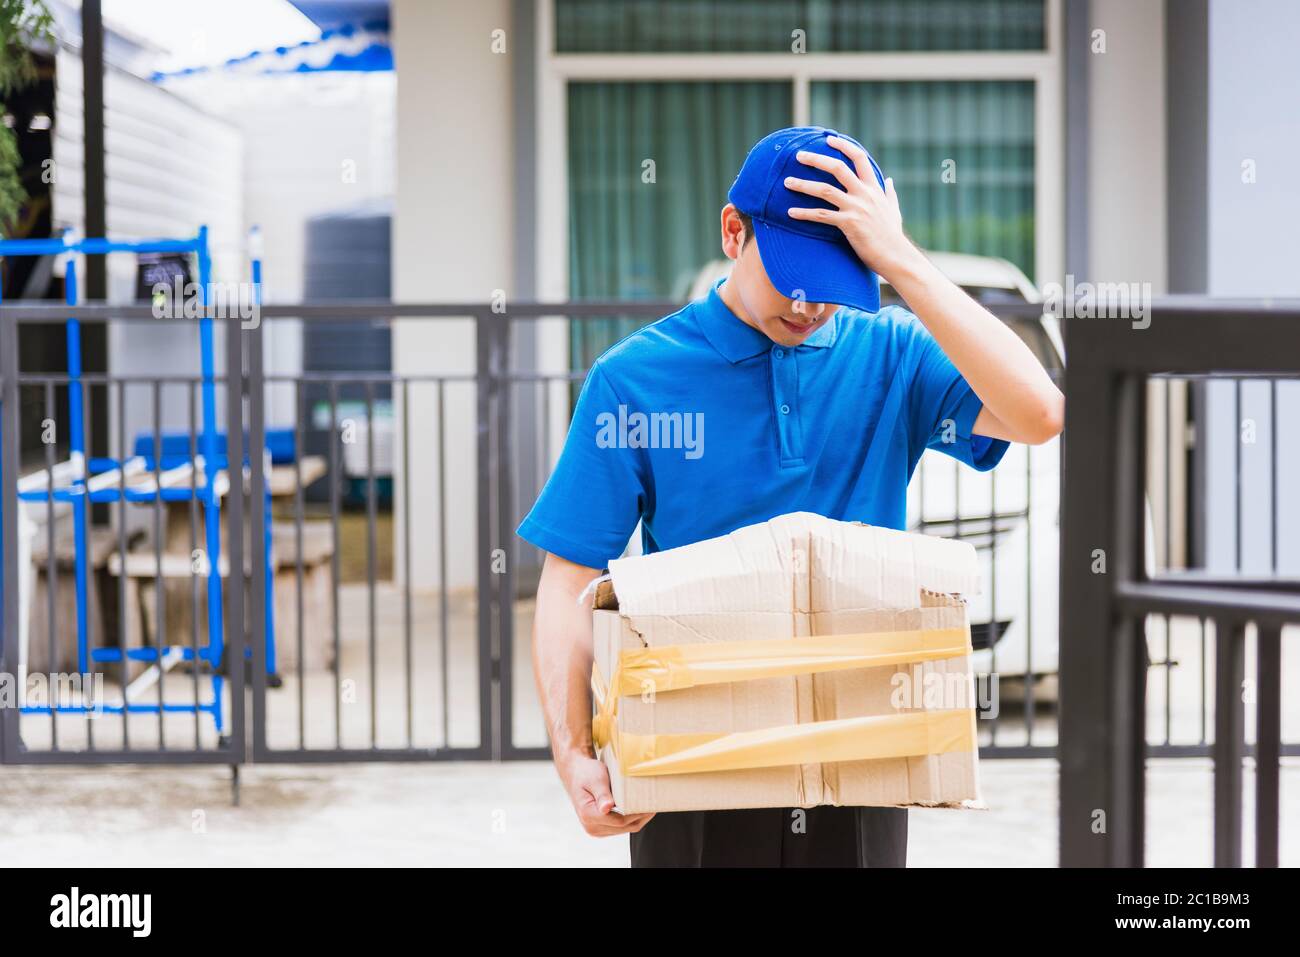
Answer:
(101, 628)
(365, 663)
(1114, 597)
(419, 656)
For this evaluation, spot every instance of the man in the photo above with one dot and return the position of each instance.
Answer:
(807, 408)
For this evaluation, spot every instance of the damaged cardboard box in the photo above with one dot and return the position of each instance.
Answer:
(792, 663)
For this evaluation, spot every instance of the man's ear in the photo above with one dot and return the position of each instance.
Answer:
(733, 232)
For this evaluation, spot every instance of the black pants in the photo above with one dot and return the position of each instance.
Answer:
(775, 837)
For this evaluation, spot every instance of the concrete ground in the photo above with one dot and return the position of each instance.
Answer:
(487, 815)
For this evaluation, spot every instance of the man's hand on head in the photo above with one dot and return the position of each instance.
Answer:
(868, 216)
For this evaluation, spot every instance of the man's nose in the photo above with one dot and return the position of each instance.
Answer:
(813, 310)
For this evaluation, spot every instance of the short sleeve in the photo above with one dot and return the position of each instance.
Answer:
(943, 408)
(594, 498)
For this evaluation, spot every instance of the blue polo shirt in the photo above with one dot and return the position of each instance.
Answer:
(698, 424)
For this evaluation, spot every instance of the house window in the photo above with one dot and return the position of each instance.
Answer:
(961, 155)
(649, 167)
(768, 26)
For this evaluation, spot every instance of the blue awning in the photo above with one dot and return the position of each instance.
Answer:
(333, 13)
(357, 48)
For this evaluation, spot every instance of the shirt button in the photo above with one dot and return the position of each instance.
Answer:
(785, 409)
(779, 353)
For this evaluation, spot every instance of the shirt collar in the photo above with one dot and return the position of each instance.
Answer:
(737, 340)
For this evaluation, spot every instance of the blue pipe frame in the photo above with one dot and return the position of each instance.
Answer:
(81, 497)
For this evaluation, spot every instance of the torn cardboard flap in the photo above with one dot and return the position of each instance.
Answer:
(764, 579)
(795, 576)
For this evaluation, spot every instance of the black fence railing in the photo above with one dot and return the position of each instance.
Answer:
(377, 547)
(1113, 593)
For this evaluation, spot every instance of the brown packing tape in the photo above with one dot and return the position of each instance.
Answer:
(819, 742)
(677, 667)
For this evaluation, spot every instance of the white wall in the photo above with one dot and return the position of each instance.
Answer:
(1254, 107)
(1126, 149)
(170, 168)
(452, 241)
(1254, 81)
(313, 143)
(1127, 188)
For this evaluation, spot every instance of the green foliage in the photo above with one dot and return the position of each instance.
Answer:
(23, 23)
(12, 193)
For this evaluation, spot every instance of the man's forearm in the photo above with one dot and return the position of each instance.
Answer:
(562, 664)
(999, 367)
(563, 682)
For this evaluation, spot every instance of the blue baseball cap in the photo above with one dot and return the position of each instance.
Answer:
(803, 259)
